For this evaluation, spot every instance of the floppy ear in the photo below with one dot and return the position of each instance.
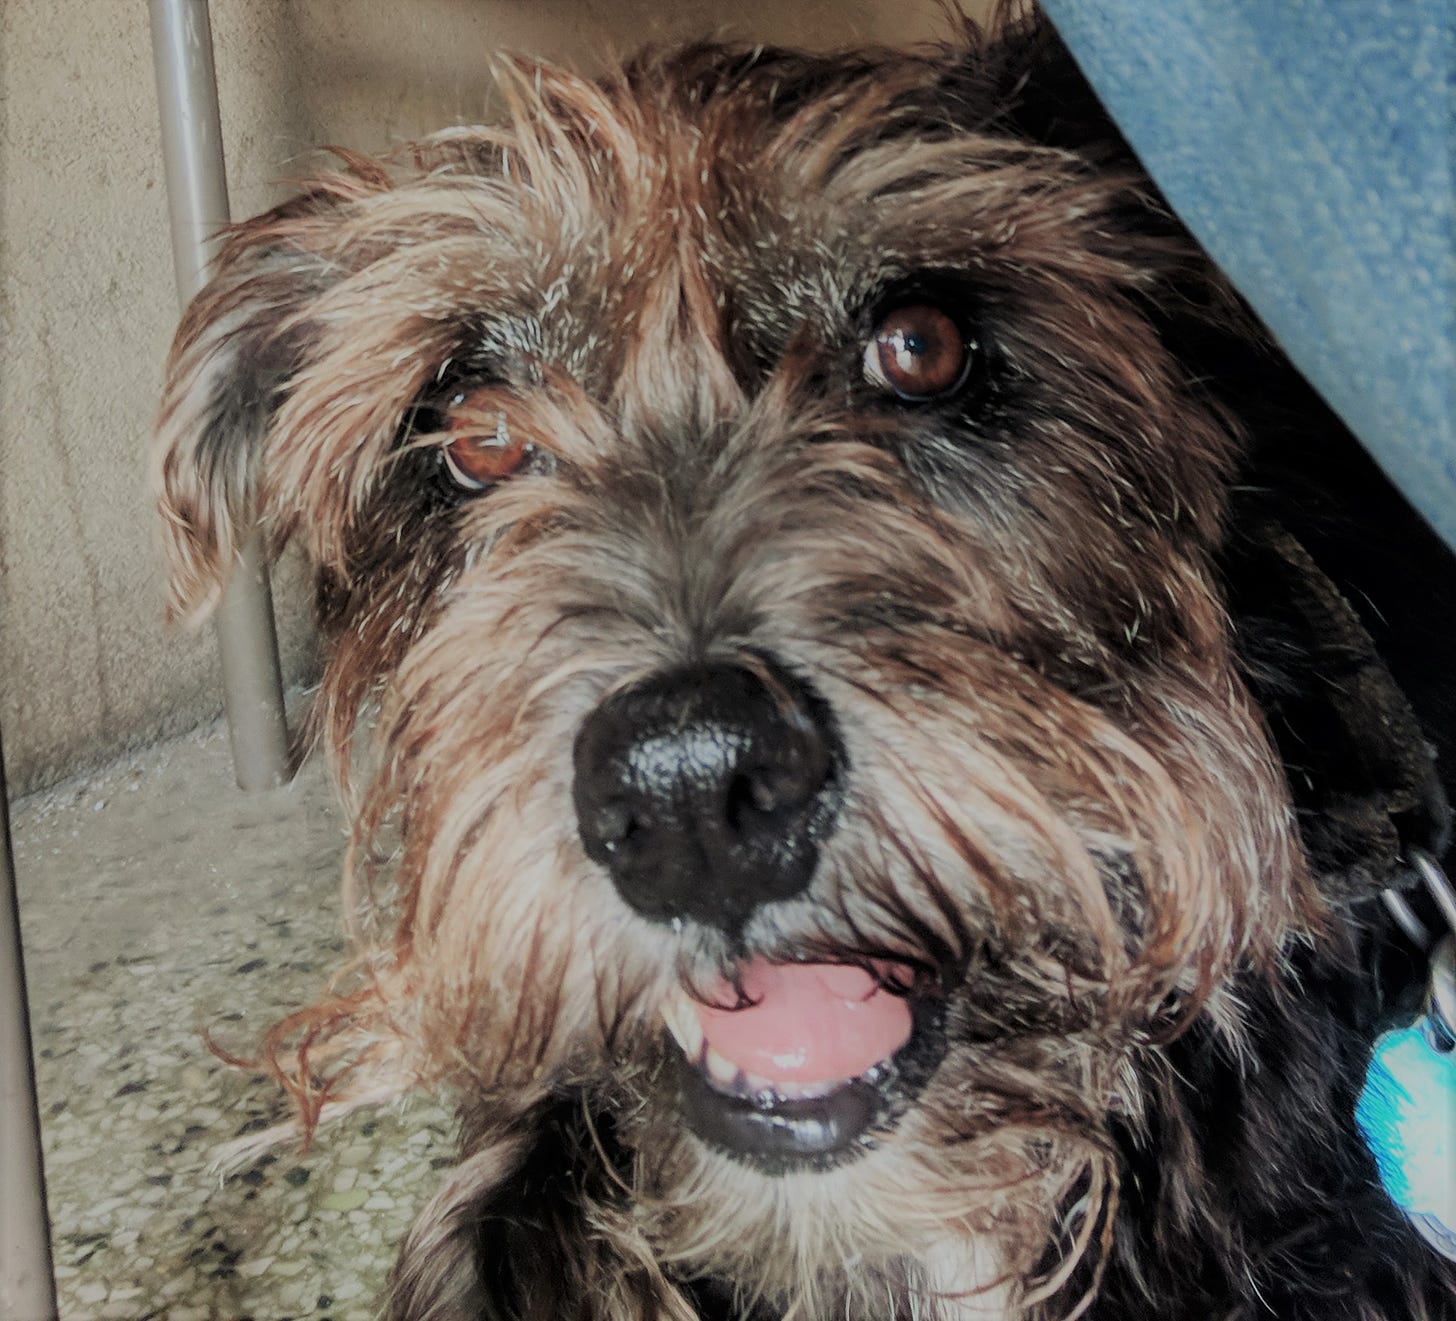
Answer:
(240, 343)
(1361, 770)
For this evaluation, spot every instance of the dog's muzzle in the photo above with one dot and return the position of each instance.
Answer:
(705, 790)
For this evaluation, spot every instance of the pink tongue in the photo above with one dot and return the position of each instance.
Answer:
(808, 1023)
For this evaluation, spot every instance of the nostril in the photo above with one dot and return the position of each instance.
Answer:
(767, 792)
(613, 823)
(763, 793)
(749, 799)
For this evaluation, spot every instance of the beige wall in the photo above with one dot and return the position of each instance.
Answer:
(88, 303)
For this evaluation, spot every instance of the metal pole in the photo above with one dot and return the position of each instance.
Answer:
(27, 1290)
(197, 198)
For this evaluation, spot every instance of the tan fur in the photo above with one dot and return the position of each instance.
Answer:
(1032, 668)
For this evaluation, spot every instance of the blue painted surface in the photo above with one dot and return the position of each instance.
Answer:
(1308, 145)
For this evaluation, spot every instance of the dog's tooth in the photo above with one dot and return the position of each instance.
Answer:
(722, 1072)
(684, 1026)
(782, 1090)
(786, 1090)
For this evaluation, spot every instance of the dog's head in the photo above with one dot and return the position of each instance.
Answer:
(770, 544)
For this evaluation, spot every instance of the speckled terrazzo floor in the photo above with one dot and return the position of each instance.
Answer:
(156, 901)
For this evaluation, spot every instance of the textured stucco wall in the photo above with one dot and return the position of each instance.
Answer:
(87, 304)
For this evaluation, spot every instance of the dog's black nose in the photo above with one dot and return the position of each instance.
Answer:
(705, 790)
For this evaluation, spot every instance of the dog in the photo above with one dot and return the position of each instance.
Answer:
(868, 777)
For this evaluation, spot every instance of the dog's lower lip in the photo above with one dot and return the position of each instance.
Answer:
(778, 1134)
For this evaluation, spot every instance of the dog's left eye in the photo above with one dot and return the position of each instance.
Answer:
(479, 449)
(917, 353)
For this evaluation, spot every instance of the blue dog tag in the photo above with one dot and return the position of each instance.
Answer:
(1407, 1108)
(1407, 1113)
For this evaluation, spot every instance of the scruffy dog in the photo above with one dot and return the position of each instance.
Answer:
(859, 783)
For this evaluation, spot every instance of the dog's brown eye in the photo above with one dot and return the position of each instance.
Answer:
(917, 352)
(480, 449)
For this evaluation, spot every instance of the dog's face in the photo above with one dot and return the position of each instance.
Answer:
(768, 543)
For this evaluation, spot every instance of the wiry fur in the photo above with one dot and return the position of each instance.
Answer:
(1064, 805)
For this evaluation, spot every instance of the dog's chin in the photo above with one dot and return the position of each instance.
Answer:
(787, 1111)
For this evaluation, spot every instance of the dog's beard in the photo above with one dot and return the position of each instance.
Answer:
(1056, 900)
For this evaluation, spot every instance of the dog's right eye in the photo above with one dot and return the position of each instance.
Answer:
(479, 448)
(918, 353)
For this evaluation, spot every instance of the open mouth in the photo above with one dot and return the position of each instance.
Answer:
(810, 1061)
